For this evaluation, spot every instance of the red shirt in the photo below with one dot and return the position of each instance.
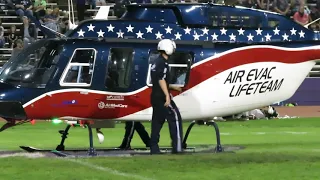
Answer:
(302, 19)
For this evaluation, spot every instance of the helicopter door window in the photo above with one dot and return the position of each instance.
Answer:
(179, 65)
(120, 64)
(80, 69)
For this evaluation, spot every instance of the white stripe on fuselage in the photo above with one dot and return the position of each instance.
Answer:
(194, 65)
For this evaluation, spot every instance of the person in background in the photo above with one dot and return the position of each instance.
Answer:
(81, 8)
(51, 19)
(282, 7)
(17, 47)
(92, 3)
(301, 16)
(40, 8)
(130, 127)
(23, 8)
(29, 33)
(13, 36)
(2, 39)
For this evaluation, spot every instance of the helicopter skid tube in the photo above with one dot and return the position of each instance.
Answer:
(62, 152)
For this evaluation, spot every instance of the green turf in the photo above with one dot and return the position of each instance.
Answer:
(274, 149)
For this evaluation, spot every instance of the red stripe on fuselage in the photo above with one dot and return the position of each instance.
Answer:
(86, 105)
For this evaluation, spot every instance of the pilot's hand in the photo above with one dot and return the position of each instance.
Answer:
(178, 89)
(167, 101)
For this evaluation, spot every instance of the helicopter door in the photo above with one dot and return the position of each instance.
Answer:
(179, 65)
(79, 71)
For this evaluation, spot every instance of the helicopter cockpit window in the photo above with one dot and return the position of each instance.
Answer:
(179, 66)
(120, 64)
(33, 66)
(80, 69)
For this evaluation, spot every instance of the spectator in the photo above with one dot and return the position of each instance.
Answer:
(23, 8)
(101, 3)
(51, 19)
(92, 3)
(81, 8)
(301, 16)
(295, 4)
(40, 8)
(63, 25)
(30, 32)
(263, 4)
(314, 15)
(248, 3)
(13, 36)
(17, 48)
(2, 40)
(282, 7)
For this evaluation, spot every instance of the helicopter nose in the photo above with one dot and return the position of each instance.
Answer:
(12, 110)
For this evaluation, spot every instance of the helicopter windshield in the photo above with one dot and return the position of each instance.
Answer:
(33, 66)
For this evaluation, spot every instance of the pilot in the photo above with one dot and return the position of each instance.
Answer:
(161, 101)
(130, 127)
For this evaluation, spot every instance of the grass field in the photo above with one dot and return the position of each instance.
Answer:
(274, 149)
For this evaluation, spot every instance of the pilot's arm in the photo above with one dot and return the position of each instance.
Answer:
(160, 70)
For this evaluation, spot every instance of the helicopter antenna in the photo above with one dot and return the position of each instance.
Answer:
(307, 25)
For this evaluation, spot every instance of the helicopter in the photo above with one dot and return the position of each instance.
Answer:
(229, 59)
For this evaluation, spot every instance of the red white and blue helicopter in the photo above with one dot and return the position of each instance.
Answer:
(228, 60)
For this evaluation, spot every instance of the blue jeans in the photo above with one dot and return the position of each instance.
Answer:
(21, 13)
(93, 3)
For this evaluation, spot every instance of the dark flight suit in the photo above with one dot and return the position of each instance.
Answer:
(130, 127)
(159, 71)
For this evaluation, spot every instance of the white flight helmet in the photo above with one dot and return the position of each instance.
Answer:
(168, 46)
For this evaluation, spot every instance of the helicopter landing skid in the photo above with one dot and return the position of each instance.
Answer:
(62, 152)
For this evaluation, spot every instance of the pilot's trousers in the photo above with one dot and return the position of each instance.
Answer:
(130, 127)
(173, 116)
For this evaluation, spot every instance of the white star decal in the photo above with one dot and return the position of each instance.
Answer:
(187, 31)
(241, 31)
(285, 37)
(293, 31)
(268, 37)
(178, 35)
(223, 31)
(91, 28)
(276, 31)
(232, 37)
(120, 34)
(250, 37)
(205, 30)
(130, 28)
(81, 33)
(139, 34)
(168, 30)
(149, 29)
(110, 28)
(100, 33)
(301, 34)
(259, 31)
(214, 37)
(196, 36)
(158, 35)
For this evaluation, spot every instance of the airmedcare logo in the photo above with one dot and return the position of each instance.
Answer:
(102, 105)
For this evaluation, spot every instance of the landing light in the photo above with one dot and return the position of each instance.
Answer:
(56, 121)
